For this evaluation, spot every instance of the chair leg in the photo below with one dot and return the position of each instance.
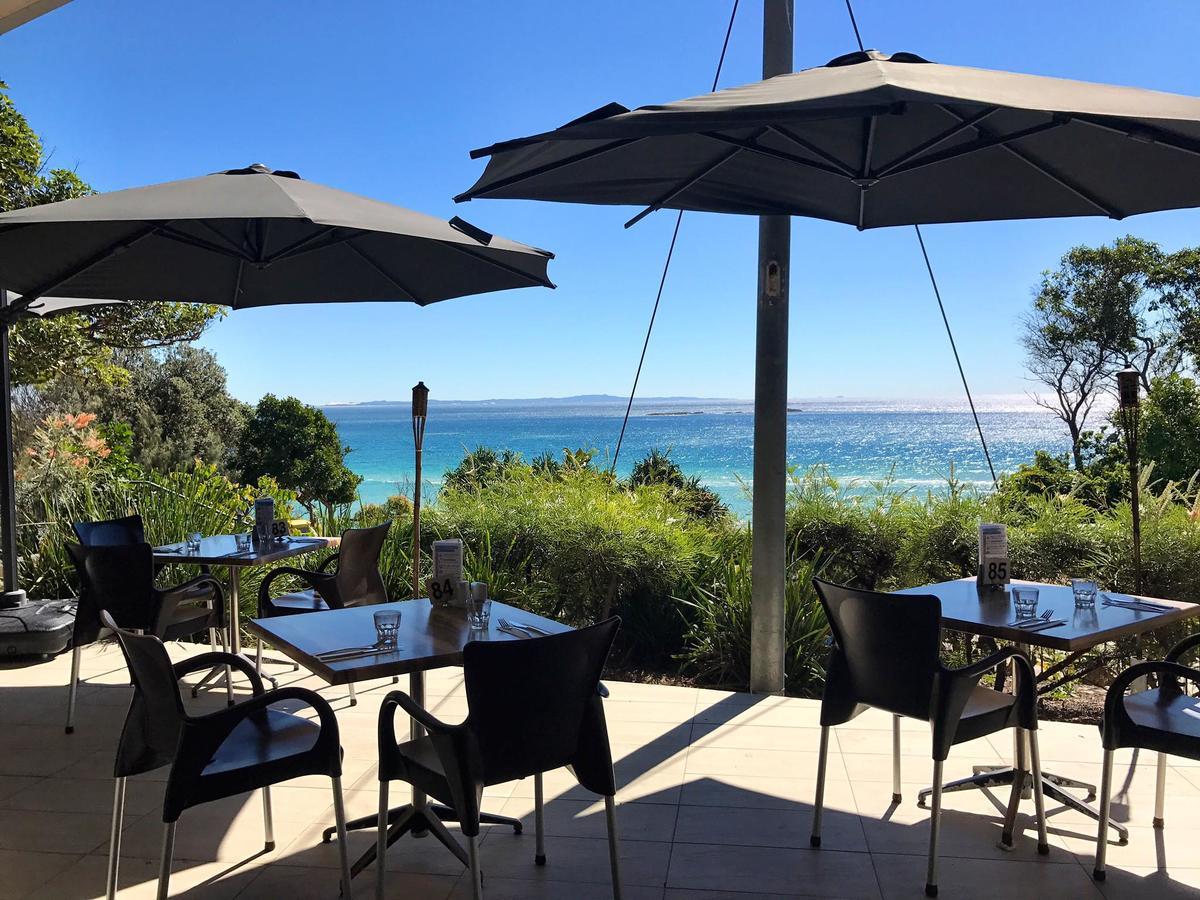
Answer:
(614, 855)
(164, 866)
(1105, 803)
(896, 759)
(114, 838)
(1160, 790)
(381, 841)
(258, 658)
(935, 821)
(819, 800)
(1039, 801)
(268, 821)
(339, 820)
(539, 820)
(353, 699)
(476, 874)
(73, 689)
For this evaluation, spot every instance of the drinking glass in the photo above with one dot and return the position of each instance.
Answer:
(479, 611)
(387, 623)
(193, 542)
(1025, 601)
(242, 541)
(1085, 591)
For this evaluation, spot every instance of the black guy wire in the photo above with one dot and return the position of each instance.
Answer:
(666, 266)
(941, 306)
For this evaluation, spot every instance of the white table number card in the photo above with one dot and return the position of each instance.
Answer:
(993, 556)
(447, 573)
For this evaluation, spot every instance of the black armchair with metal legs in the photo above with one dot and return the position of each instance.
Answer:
(243, 748)
(533, 706)
(119, 578)
(356, 581)
(886, 655)
(1165, 719)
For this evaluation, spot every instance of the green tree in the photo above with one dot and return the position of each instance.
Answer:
(1170, 428)
(299, 447)
(1103, 308)
(175, 405)
(77, 343)
(657, 467)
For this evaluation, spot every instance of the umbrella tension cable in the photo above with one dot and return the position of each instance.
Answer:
(666, 265)
(941, 306)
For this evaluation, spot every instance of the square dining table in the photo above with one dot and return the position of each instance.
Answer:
(972, 610)
(221, 550)
(429, 637)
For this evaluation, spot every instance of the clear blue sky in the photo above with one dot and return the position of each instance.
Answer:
(386, 98)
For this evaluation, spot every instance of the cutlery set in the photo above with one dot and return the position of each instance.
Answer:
(1038, 623)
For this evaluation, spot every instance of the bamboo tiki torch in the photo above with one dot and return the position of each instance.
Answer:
(1129, 413)
(420, 409)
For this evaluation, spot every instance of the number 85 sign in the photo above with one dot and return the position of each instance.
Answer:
(993, 555)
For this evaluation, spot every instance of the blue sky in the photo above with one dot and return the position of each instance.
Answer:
(387, 98)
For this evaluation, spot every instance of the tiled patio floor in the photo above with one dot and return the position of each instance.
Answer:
(715, 804)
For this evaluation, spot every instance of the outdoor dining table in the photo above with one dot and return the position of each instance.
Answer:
(221, 550)
(967, 608)
(429, 637)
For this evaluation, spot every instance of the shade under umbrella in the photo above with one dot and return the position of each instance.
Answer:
(872, 140)
(243, 238)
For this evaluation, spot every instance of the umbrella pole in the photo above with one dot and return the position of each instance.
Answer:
(768, 592)
(13, 596)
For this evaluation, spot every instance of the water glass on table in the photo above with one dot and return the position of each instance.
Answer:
(1025, 602)
(387, 624)
(242, 541)
(193, 542)
(1085, 591)
(479, 607)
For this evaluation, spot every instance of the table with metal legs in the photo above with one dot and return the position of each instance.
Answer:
(418, 817)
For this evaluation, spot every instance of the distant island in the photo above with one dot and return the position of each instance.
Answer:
(682, 412)
(575, 400)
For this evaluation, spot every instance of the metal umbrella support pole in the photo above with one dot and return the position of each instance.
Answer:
(13, 596)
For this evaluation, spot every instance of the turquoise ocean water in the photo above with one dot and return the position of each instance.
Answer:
(860, 441)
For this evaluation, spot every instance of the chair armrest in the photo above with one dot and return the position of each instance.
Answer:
(324, 566)
(180, 591)
(315, 580)
(602, 689)
(214, 658)
(427, 720)
(1188, 643)
(977, 670)
(1117, 729)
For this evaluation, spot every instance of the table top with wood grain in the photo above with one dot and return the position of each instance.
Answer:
(965, 608)
(221, 550)
(429, 637)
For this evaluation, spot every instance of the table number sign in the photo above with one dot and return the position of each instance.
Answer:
(280, 529)
(447, 572)
(993, 556)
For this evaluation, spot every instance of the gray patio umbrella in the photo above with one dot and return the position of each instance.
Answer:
(243, 238)
(871, 140)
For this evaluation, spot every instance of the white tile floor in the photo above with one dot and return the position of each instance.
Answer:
(715, 804)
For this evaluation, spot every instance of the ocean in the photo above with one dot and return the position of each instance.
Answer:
(861, 441)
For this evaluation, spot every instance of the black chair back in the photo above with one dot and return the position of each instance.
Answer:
(359, 581)
(534, 705)
(115, 578)
(108, 532)
(885, 653)
(150, 738)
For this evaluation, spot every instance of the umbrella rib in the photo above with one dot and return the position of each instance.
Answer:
(812, 148)
(374, 264)
(934, 141)
(684, 185)
(305, 245)
(1134, 131)
(208, 226)
(782, 155)
(42, 290)
(543, 169)
(182, 237)
(237, 283)
(864, 181)
(985, 141)
(1035, 164)
(483, 257)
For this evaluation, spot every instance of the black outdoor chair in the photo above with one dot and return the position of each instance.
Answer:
(233, 751)
(357, 581)
(886, 655)
(119, 578)
(1165, 719)
(533, 706)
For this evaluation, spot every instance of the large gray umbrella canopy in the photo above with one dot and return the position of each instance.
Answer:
(874, 140)
(252, 237)
(243, 238)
